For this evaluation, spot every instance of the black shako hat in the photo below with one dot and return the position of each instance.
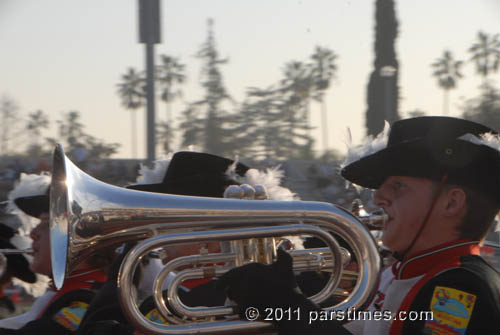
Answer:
(34, 205)
(195, 174)
(430, 147)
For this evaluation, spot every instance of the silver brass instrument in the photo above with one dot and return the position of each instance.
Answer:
(87, 215)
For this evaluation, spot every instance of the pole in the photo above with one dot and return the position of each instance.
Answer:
(388, 74)
(149, 34)
(150, 102)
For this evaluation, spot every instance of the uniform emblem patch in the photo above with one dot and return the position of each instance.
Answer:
(156, 317)
(70, 317)
(452, 310)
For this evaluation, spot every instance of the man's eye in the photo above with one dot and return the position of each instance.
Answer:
(397, 185)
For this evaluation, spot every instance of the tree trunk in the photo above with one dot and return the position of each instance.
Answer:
(324, 126)
(134, 132)
(446, 102)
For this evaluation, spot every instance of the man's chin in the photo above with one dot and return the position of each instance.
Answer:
(390, 242)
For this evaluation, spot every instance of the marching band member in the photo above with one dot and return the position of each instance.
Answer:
(17, 265)
(56, 312)
(438, 179)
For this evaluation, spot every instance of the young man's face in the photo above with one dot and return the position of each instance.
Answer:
(406, 201)
(41, 247)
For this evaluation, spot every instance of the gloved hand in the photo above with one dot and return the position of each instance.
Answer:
(262, 286)
(271, 287)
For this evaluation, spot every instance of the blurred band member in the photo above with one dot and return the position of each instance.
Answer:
(56, 312)
(17, 265)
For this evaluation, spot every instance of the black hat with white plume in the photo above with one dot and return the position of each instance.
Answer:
(468, 153)
(189, 173)
(31, 194)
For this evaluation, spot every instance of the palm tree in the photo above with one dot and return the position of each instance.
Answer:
(323, 72)
(297, 82)
(169, 73)
(131, 91)
(447, 72)
(486, 54)
(164, 135)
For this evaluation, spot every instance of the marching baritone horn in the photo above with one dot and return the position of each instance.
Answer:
(87, 215)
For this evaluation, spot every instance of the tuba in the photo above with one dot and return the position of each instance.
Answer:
(87, 215)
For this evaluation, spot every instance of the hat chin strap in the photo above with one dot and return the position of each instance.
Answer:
(400, 256)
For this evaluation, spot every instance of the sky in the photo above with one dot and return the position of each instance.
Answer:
(63, 55)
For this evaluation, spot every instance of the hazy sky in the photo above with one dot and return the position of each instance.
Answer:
(62, 55)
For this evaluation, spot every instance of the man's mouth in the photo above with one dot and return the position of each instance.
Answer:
(389, 219)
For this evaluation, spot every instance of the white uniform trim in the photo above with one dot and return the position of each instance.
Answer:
(38, 306)
(389, 297)
(432, 252)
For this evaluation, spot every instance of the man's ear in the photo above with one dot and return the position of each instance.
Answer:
(455, 202)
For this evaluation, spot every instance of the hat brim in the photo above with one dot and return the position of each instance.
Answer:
(146, 187)
(199, 186)
(34, 205)
(464, 163)
(408, 159)
(17, 265)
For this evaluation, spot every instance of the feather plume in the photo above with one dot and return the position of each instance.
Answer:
(487, 139)
(153, 175)
(27, 185)
(369, 146)
(10, 219)
(30, 185)
(156, 174)
(28, 222)
(270, 179)
(36, 289)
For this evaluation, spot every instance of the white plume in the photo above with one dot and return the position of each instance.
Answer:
(270, 179)
(153, 175)
(11, 219)
(369, 146)
(30, 185)
(488, 139)
(21, 242)
(36, 289)
(28, 222)
(27, 185)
